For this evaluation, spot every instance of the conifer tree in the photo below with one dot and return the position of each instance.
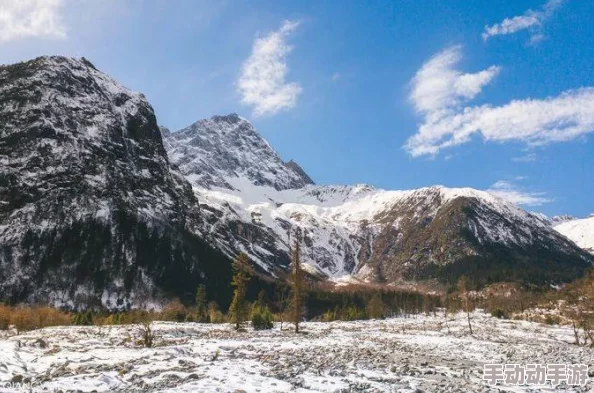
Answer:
(297, 278)
(201, 303)
(262, 298)
(238, 311)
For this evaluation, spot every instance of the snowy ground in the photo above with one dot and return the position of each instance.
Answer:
(396, 355)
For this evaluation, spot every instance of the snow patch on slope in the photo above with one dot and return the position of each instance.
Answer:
(581, 232)
(337, 219)
(253, 197)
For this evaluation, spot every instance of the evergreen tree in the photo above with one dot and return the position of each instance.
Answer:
(297, 279)
(238, 311)
(261, 318)
(201, 303)
(262, 299)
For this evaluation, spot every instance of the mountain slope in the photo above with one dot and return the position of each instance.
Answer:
(90, 210)
(226, 153)
(443, 233)
(95, 211)
(211, 151)
(357, 232)
(580, 231)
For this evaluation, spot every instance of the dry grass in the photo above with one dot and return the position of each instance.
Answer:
(36, 317)
(29, 318)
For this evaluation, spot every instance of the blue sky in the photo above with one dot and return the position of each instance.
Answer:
(493, 94)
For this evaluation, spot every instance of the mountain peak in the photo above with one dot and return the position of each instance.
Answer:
(84, 169)
(291, 164)
(58, 83)
(231, 118)
(227, 151)
(55, 62)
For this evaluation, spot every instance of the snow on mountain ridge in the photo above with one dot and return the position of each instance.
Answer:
(90, 208)
(92, 211)
(255, 204)
(580, 231)
(332, 217)
(102, 117)
(212, 151)
(121, 100)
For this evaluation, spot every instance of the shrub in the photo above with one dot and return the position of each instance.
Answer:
(214, 314)
(147, 336)
(175, 311)
(375, 307)
(499, 313)
(135, 316)
(351, 313)
(329, 316)
(218, 317)
(261, 318)
(4, 321)
(83, 318)
(552, 320)
(113, 319)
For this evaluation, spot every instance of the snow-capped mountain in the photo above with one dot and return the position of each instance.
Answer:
(580, 231)
(211, 151)
(358, 232)
(90, 210)
(101, 206)
(557, 220)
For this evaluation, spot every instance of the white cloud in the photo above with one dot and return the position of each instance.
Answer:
(31, 18)
(437, 85)
(531, 20)
(448, 123)
(262, 82)
(508, 191)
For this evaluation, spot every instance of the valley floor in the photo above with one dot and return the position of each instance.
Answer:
(395, 355)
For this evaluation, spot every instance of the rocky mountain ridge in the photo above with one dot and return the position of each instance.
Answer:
(212, 150)
(91, 211)
(359, 233)
(101, 207)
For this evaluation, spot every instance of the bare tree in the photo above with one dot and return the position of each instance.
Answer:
(147, 335)
(463, 288)
(282, 300)
(446, 306)
(583, 308)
